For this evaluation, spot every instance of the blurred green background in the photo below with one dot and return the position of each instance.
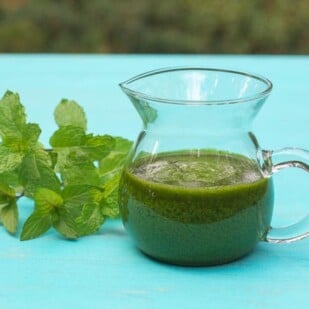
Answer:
(168, 26)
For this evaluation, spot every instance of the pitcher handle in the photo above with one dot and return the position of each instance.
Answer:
(275, 161)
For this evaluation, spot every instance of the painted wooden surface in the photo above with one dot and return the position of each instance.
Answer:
(105, 270)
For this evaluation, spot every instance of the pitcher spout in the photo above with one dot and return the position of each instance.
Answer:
(213, 98)
(201, 86)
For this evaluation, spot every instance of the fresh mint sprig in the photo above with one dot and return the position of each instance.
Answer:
(73, 184)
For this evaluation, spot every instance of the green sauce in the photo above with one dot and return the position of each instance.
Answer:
(192, 209)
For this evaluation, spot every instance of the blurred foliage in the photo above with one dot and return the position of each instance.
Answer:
(154, 26)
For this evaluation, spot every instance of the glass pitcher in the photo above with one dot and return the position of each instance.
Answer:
(197, 188)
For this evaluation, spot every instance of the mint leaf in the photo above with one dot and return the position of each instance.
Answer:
(88, 165)
(18, 138)
(9, 216)
(76, 153)
(35, 226)
(109, 206)
(6, 190)
(73, 139)
(30, 134)
(13, 149)
(75, 196)
(53, 157)
(98, 146)
(111, 185)
(110, 169)
(11, 178)
(112, 165)
(27, 138)
(46, 201)
(70, 142)
(79, 170)
(81, 211)
(68, 136)
(9, 160)
(114, 162)
(65, 224)
(12, 115)
(35, 172)
(70, 113)
(123, 145)
(90, 219)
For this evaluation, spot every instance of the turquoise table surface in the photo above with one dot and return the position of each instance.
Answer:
(105, 270)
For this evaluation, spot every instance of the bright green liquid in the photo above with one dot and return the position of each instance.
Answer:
(196, 210)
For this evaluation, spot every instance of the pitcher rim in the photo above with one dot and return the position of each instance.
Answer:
(141, 95)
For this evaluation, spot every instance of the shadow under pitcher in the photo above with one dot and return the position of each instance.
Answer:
(197, 188)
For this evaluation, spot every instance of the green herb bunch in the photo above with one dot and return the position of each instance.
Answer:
(73, 184)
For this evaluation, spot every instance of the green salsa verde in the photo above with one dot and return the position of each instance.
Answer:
(191, 209)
